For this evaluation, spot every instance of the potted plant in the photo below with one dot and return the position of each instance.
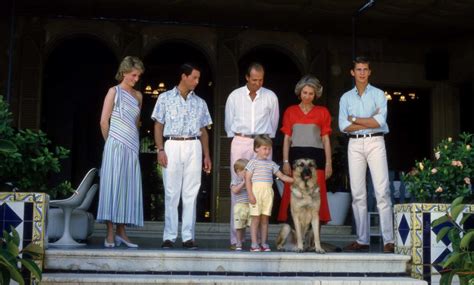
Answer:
(338, 189)
(11, 256)
(433, 182)
(459, 261)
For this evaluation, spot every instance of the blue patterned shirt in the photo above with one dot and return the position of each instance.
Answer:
(351, 104)
(181, 117)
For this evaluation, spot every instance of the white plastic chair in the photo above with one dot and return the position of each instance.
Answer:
(71, 203)
(81, 224)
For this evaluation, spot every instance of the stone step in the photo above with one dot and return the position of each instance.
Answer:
(221, 231)
(178, 260)
(113, 279)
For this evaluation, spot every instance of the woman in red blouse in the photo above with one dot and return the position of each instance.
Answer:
(307, 128)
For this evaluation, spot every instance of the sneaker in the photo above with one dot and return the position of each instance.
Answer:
(255, 249)
(167, 244)
(232, 246)
(265, 247)
(238, 248)
(389, 248)
(190, 244)
(356, 247)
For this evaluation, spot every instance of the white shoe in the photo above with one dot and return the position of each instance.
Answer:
(119, 240)
(108, 244)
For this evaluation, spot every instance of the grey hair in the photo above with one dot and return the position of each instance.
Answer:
(311, 81)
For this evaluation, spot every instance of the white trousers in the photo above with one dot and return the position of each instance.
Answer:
(182, 179)
(371, 151)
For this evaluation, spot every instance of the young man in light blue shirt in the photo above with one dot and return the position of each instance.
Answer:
(362, 115)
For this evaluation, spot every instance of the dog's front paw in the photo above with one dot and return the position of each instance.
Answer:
(299, 250)
(319, 250)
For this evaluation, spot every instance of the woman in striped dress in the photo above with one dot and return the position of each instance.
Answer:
(120, 200)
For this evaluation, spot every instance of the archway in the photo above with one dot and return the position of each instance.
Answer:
(77, 75)
(281, 75)
(162, 64)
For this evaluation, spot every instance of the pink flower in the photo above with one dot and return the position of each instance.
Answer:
(437, 155)
(439, 190)
(456, 163)
(434, 170)
(468, 147)
(467, 180)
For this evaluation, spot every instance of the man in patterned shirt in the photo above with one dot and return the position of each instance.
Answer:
(181, 138)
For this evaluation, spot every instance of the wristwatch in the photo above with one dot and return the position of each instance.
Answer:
(353, 119)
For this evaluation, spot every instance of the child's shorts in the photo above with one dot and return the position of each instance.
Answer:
(241, 216)
(263, 193)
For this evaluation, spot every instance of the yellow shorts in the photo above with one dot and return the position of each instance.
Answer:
(241, 216)
(263, 193)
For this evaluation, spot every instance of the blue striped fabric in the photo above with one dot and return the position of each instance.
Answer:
(120, 199)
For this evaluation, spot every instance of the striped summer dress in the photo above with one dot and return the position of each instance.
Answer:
(120, 199)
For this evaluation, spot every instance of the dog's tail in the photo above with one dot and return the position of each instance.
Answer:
(282, 236)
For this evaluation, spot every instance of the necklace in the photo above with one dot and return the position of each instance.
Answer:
(306, 108)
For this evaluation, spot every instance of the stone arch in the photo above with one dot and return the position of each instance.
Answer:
(292, 45)
(200, 38)
(60, 31)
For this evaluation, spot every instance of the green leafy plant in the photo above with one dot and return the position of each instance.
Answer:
(461, 261)
(11, 257)
(27, 159)
(448, 175)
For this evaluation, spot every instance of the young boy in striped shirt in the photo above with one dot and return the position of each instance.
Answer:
(241, 207)
(259, 181)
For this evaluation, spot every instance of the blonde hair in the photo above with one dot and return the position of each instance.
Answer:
(261, 140)
(127, 65)
(240, 164)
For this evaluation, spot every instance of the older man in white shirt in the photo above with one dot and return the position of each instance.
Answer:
(249, 111)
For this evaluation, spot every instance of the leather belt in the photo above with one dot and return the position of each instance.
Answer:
(366, 135)
(182, 138)
(245, 135)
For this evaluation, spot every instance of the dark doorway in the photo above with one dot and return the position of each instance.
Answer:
(409, 124)
(162, 64)
(77, 75)
(281, 76)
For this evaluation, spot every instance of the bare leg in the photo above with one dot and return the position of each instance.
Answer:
(254, 229)
(239, 234)
(110, 232)
(263, 228)
(121, 232)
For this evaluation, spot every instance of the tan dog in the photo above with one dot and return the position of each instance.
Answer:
(305, 204)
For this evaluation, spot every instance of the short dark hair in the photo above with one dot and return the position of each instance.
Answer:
(187, 69)
(360, 59)
(256, 66)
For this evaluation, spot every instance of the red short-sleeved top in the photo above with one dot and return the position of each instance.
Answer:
(319, 115)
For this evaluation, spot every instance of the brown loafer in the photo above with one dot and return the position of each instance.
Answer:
(190, 244)
(356, 247)
(389, 248)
